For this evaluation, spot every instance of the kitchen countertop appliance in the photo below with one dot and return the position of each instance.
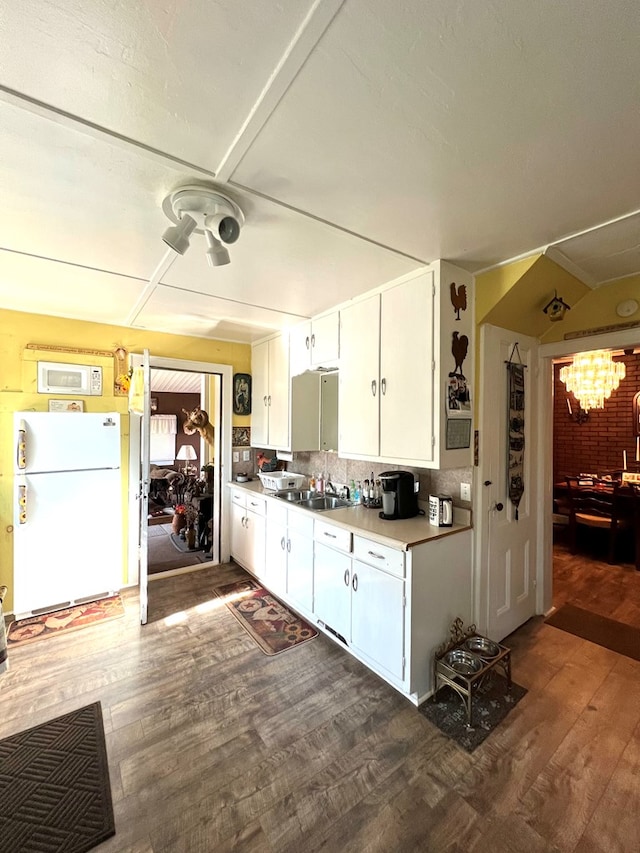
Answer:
(399, 498)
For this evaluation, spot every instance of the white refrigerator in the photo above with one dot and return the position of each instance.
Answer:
(67, 509)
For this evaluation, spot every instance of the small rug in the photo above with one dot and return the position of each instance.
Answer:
(491, 704)
(274, 628)
(617, 636)
(62, 621)
(55, 793)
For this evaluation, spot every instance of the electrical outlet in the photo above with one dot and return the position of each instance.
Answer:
(465, 491)
(236, 456)
(246, 455)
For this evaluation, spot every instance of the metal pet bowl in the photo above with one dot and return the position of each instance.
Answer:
(482, 646)
(463, 662)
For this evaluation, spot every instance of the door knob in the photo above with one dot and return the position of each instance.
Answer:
(487, 482)
(499, 507)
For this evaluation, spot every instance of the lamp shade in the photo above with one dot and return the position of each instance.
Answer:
(186, 453)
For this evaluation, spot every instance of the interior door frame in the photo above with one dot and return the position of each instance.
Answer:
(223, 464)
(623, 339)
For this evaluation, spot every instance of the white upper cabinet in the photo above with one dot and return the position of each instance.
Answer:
(270, 393)
(405, 370)
(315, 343)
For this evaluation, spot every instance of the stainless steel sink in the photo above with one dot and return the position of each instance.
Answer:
(324, 502)
(311, 500)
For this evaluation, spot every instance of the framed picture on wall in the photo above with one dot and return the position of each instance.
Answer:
(242, 394)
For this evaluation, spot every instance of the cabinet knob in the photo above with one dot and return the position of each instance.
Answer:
(354, 582)
(288, 546)
(313, 340)
(346, 577)
(264, 399)
(383, 386)
(374, 387)
(306, 342)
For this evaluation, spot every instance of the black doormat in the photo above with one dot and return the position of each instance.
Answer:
(491, 704)
(617, 636)
(55, 793)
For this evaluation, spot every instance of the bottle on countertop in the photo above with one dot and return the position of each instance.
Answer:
(358, 497)
(352, 491)
(365, 493)
(312, 484)
(320, 483)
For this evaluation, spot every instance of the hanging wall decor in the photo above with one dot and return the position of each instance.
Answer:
(242, 394)
(515, 427)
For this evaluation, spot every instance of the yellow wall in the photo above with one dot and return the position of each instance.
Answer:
(18, 386)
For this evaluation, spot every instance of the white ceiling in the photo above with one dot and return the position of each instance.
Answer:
(361, 138)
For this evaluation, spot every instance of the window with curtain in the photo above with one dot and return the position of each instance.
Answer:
(163, 439)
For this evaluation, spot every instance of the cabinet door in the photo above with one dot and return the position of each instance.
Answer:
(300, 348)
(260, 394)
(377, 617)
(332, 589)
(278, 396)
(276, 558)
(238, 534)
(255, 526)
(407, 370)
(325, 335)
(300, 570)
(358, 391)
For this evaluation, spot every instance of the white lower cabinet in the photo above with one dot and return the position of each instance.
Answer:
(377, 617)
(248, 532)
(332, 590)
(289, 555)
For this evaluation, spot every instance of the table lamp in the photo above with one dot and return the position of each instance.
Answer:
(188, 454)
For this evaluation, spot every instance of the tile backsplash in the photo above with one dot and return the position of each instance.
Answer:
(339, 470)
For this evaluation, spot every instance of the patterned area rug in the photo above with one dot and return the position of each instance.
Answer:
(491, 704)
(55, 793)
(274, 628)
(61, 621)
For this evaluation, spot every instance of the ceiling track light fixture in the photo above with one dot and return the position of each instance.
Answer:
(202, 210)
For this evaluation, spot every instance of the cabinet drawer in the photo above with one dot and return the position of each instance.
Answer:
(239, 497)
(256, 504)
(380, 556)
(334, 537)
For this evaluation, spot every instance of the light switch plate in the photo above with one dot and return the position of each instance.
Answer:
(465, 491)
(236, 456)
(246, 455)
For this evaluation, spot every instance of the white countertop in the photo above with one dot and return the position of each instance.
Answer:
(400, 533)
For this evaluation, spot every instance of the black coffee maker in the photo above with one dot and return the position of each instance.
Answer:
(399, 499)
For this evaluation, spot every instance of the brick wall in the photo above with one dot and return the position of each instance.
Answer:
(597, 445)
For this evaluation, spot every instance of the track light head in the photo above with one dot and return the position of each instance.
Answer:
(223, 225)
(177, 236)
(217, 255)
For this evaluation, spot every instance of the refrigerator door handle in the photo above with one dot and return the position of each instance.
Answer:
(22, 503)
(22, 446)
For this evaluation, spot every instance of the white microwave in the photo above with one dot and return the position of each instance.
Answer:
(82, 379)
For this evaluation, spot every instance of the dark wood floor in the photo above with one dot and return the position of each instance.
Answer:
(214, 746)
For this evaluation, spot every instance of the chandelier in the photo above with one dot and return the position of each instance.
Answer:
(592, 377)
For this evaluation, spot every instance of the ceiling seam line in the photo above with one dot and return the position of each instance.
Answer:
(293, 59)
(89, 128)
(72, 264)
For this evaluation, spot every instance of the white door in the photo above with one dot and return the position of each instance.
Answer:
(358, 388)
(279, 394)
(507, 548)
(145, 450)
(377, 617)
(260, 394)
(406, 369)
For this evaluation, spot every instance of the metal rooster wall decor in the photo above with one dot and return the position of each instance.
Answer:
(458, 299)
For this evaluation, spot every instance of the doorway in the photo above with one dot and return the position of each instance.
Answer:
(221, 408)
(178, 462)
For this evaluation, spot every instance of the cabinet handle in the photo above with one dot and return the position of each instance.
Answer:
(374, 387)
(354, 582)
(346, 577)
(306, 342)
(377, 556)
(288, 546)
(383, 385)
(313, 340)
(254, 503)
(264, 399)
(330, 535)
(282, 543)
(269, 399)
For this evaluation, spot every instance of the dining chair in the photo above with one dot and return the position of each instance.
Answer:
(635, 488)
(598, 506)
